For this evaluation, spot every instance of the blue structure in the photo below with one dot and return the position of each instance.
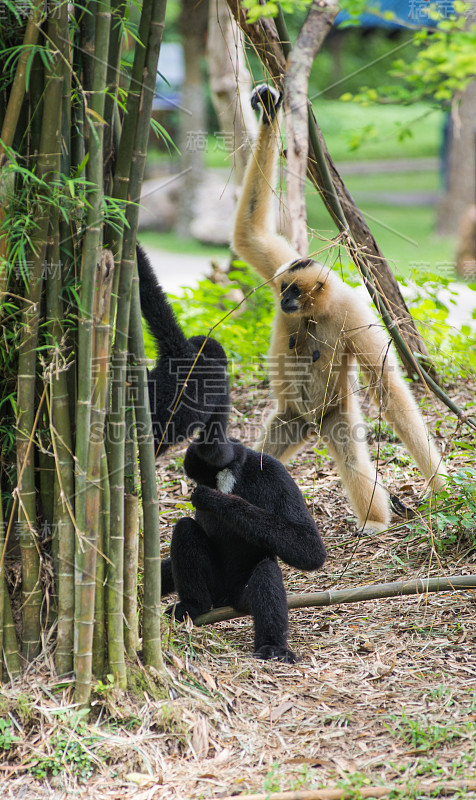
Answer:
(395, 14)
(170, 77)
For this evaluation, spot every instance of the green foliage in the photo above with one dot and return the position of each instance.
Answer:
(243, 328)
(7, 734)
(444, 64)
(75, 750)
(449, 518)
(453, 350)
(272, 781)
(420, 734)
(257, 11)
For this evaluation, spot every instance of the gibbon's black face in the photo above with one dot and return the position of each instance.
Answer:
(299, 286)
(290, 294)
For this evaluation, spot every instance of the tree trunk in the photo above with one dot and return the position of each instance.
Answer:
(460, 163)
(230, 85)
(193, 138)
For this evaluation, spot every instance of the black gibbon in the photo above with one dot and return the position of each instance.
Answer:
(321, 329)
(189, 382)
(248, 512)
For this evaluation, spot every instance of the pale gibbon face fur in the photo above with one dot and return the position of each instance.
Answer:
(298, 286)
(321, 329)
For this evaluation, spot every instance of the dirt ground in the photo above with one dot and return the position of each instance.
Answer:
(384, 696)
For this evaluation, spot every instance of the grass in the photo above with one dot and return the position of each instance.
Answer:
(405, 235)
(177, 244)
(355, 132)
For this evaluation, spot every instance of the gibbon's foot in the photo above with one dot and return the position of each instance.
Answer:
(269, 98)
(271, 652)
(179, 611)
(374, 526)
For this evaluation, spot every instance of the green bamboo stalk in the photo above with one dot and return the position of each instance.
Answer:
(118, 9)
(356, 594)
(2, 582)
(77, 113)
(60, 424)
(17, 92)
(47, 169)
(151, 617)
(87, 42)
(128, 177)
(131, 531)
(152, 652)
(12, 115)
(99, 635)
(11, 652)
(93, 498)
(90, 259)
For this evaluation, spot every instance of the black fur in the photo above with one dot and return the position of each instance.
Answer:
(267, 98)
(228, 554)
(180, 403)
(301, 263)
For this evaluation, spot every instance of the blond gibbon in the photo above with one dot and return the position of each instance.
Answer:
(321, 329)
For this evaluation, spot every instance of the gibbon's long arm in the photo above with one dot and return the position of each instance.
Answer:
(391, 393)
(296, 543)
(157, 310)
(255, 238)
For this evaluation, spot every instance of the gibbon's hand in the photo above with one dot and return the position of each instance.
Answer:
(204, 497)
(267, 98)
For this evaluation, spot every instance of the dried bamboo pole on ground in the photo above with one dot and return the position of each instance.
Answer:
(435, 788)
(358, 594)
(93, 498)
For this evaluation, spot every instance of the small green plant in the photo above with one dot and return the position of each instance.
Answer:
(272, 781)
(7, 735)
(421, 734)
(74, 750)
(105, 688)
(451, 515)
(305, 779)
